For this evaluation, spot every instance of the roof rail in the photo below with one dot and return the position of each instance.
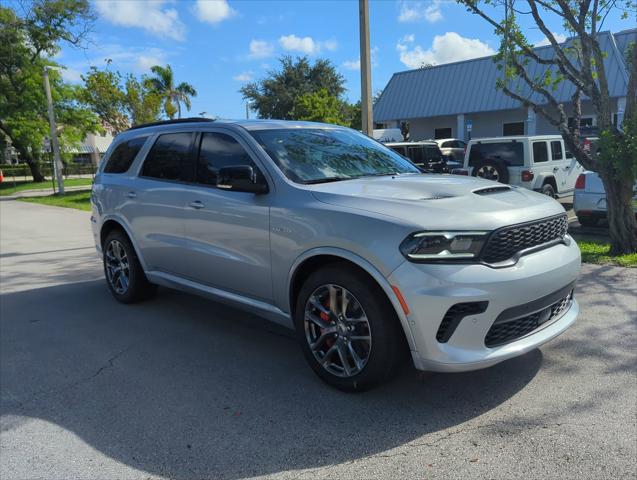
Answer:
(171, 122)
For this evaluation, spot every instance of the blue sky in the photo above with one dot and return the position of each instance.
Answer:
(218, 45)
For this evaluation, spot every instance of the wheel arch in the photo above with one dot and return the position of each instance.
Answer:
(315, 259)
(114, 223)
(550, 180)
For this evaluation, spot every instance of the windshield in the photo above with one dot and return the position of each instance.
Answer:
(316, 155)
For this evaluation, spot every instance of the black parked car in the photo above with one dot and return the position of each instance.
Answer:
(426, 155)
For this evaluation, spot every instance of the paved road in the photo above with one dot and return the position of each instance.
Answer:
(180, 387)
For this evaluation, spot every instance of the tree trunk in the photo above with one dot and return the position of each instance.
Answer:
(35, 171)
(621, 215)
(33, 163)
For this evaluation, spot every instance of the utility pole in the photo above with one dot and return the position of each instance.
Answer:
(366, 69)
(57, 163)
(247, 111)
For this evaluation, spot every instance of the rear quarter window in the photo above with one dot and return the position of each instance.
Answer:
(511, 153)
(124, 154)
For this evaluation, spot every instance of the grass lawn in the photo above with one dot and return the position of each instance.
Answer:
(7, 187)
(597, 252)
(79, 200)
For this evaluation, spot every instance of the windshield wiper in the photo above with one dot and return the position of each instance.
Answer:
(326, 180)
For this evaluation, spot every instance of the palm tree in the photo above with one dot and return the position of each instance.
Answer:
(163, 84)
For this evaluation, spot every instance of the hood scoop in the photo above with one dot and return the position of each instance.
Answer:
(492, 190)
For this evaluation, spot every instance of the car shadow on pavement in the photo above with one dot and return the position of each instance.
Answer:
(187, 388)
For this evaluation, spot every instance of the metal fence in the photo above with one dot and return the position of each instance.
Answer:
(22, 172)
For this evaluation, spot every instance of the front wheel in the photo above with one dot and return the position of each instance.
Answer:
(347, 328)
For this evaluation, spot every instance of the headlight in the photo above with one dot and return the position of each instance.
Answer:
(443, 246)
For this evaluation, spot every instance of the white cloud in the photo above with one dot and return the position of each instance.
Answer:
(146, 14)
(213, 11)
(418, 11)
(138, 59)
(446, 48)
(243, 77)
(306, 45)
(260, 49)
(71, 75)
(356, 64)
(144, 62)
(558, 36)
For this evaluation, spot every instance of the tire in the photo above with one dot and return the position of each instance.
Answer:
(372, 332)
(124, 274)
(588, 221)
(491, 169)
(547, 189)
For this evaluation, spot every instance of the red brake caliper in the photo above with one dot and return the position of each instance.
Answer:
(326, 318)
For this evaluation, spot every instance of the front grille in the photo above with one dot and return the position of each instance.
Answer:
(505, 331)
(505, 242)
(454, 315)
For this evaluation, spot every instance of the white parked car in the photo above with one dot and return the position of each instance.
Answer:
(589, 200)
(386, 135)
(452, 148)
(539, 163)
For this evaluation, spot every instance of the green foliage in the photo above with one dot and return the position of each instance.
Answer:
(275, 96)
(163, 84)
(319, 106)
(120, 102)
(620, 150)
(25, 43)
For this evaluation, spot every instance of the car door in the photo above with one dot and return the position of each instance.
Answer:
(156, 202)
(228, 231)
(568, 168)
(541, 162)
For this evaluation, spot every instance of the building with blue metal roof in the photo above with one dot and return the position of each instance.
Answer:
(461, 100)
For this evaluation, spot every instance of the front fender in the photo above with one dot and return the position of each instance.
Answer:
(380, 279)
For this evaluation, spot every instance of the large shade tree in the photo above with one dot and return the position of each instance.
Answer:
(28, 40)
(581, 62)
(163, 83)
(276, 95)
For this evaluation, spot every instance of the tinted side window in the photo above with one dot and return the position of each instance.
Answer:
(447, 144)
(219, 150)
(416, 155)
(540, 152)
(556, 150)
(433, 153)
(122, 157)
(511, 153)
(400, 150)
(169, 156)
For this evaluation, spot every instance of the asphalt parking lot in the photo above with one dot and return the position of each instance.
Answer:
(181, 387)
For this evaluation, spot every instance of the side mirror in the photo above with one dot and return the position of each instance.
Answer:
(240, 178)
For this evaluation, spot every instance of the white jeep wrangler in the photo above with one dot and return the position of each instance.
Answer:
(539, 163)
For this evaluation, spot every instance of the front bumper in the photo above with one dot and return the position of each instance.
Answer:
(431, 290)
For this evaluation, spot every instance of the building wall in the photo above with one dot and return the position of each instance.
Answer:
(488, 124)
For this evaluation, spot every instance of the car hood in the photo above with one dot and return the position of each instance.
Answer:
(440, 201)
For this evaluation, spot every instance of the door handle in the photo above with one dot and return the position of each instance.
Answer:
(131, 195)
(555, 169)
(196, 204)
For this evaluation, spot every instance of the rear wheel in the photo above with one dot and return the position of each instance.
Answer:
(548, 190)
(588, 221)
(124, 275)
(348, 330)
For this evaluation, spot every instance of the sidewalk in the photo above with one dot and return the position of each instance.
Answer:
(43, 192)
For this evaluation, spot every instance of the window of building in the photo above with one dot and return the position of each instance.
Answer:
(514, 128)
(583, 121)
(556, 150)
(442, 133)
(219, 150)
(122, 157)
(169, 157)
(540, 152)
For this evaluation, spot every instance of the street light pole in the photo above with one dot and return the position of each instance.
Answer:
(366, 69)
(57, 162)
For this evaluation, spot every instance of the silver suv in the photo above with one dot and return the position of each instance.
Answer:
(322, 229)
